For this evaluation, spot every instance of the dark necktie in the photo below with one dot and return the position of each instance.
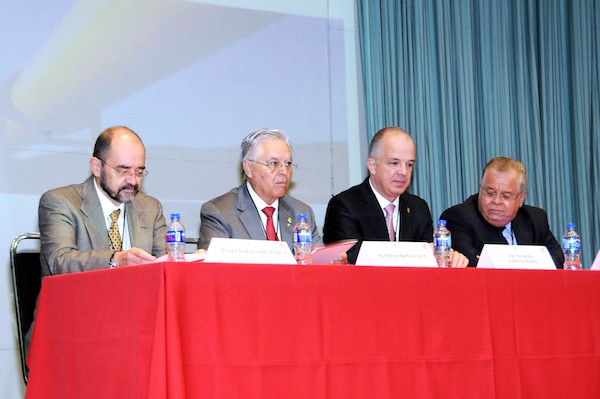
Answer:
(270, 230)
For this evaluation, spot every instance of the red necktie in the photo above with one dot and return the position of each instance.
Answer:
(270, 230)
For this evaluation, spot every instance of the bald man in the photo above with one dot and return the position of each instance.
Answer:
(361, 211)
(75, 220)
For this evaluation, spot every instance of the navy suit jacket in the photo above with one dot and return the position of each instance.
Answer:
(470, 231)
(355, 213)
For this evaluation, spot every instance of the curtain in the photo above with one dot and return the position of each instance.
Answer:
(471, 80)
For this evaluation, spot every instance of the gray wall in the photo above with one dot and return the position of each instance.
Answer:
(192, 78)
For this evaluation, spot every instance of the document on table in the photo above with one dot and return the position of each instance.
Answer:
(325, 254)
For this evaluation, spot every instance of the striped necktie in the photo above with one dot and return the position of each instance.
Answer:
(389, 221)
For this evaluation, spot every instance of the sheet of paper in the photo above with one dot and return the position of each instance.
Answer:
(235, 250)
(501, 256)
(323, 255)
(402, 253)
(188, 257)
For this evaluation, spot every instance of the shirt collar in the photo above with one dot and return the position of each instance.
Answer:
(383, 202)
(260, 204)
(107, 206)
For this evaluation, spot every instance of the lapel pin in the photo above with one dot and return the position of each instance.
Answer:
(289, 221)
(408, 209)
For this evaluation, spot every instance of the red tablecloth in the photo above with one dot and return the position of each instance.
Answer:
(262, 331)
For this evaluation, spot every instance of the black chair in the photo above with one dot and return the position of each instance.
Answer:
(193, 242)
(27, 281)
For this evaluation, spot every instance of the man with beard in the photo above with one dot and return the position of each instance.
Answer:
(258, 209)
(380, 208)
(76, 221)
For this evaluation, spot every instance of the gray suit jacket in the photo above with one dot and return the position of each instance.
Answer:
(73, 232)
(234, 215)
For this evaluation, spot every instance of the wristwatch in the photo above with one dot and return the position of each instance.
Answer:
(111, 262)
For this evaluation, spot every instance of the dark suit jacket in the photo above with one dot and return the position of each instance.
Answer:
(470, 231)
(234, 215)
(73, 230)
(355, 213)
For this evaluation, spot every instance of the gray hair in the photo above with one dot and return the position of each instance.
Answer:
(251, 142)
(505, 164)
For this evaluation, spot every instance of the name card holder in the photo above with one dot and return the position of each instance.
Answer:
(500, 256)
(235, 250)
(596, 264)
(401, 253)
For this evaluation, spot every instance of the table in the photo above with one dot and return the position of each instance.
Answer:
(174, 330)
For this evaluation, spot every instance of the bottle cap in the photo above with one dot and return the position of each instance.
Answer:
(441, 222)
(301, 216)
(571, 226)
(174, 216)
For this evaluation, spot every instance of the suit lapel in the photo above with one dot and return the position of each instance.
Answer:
(133, 214)
(286, 221)
(523, 234)
(373, 213)
(92, 211)
(249, 215)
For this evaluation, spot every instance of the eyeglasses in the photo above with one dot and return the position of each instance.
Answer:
(273, 165)
(125, 171)
(504, 197)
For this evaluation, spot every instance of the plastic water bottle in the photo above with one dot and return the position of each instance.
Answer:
(175, 240)
(302, 241)
(571, 246)
(442, 244)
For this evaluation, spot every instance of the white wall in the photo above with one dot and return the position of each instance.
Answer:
(192, 78)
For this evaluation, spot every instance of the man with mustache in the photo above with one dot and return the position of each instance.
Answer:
(75, 220)
(380, 208)
(259, 208)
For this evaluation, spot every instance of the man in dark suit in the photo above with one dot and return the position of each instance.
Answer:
(242, 212)
(380, 209)
(496, 215)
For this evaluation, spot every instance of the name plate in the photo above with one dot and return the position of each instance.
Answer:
(596, 264)
(401, 253)
(500, 256)
(235, 250)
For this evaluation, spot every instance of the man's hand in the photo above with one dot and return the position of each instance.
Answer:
(340, 260)
(458, 260)
(132, 256)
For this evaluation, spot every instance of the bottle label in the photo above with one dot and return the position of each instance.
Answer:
(570, 244)
(302, 236)
(442, 242)
(175, 236)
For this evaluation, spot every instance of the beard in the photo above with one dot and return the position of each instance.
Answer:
(118, 195)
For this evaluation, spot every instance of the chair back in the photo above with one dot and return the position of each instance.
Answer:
(27, 279)
(191, 244)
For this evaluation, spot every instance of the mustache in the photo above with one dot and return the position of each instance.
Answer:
(129, 186)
